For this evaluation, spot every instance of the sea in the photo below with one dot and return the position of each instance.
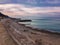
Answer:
(51, 23)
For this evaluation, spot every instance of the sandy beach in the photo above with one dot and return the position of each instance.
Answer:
(5, 39)
(23, 35)
(29, 22)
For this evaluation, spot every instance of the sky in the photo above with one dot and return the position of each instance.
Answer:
(29, 7)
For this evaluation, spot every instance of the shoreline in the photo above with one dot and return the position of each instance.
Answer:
(41, 30)
(26, 35)
(23, 34)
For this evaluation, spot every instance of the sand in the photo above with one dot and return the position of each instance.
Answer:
(24, 35)
(5, 39)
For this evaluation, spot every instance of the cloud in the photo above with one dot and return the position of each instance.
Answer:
(53, 1)
(5, 1)
(41, 9)
(33, 2)
(19, 9)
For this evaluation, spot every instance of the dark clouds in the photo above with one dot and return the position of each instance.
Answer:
(33, 2)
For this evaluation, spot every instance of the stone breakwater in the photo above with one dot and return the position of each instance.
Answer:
(23, 35)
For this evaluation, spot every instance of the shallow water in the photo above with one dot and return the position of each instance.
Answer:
(49, 23)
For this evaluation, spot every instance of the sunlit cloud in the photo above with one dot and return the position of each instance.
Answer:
(19, 9)
(41, 9)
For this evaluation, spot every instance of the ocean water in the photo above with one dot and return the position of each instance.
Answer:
(51, 23)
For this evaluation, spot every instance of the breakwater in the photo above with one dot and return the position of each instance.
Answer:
(23, 35)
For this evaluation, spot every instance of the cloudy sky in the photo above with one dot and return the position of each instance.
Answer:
(29, 7)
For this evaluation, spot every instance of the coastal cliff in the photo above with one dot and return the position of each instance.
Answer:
(23, 35)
